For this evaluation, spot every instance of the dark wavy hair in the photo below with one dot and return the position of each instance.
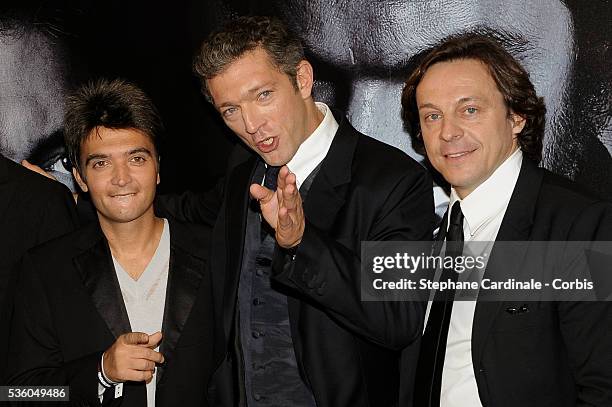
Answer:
(114, 104)
(244, 34)
(511, 79)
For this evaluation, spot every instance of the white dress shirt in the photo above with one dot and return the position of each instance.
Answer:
(483, 211)
(314, 149)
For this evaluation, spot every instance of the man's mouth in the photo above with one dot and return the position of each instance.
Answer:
(458, 154)
(267, 145)
(123, 195)
(455, 155)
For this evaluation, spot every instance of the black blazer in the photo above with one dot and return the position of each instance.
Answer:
(69, 309)
(33, 209)
(558, 353)
(347, 351)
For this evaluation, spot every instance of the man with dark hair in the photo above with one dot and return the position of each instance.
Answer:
(118, 310)
(293, 329)
(474, 109)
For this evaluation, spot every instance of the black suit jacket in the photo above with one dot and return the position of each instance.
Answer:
(347, 351)
(69, 310)
(558, 353)
(33, 209)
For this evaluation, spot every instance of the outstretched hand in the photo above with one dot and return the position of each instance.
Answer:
(282, 209)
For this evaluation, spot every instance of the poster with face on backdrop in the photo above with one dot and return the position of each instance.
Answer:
(49, 47)
(361, 51)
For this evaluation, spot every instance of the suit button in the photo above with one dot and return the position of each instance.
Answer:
(259, 272)
(257, 334)
(257, 301)
(257, 397)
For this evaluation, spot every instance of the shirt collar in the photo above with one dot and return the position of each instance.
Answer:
(314, 149)
(490, 197)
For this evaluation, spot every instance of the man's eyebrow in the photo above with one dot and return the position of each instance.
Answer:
(144, 150)
(469, 99)
(251, 91)
(140, 150)
(257, 88)
(429, 105)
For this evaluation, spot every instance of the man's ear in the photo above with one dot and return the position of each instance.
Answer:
(158, 164)
(304, 78)
(518, 123)
(79, 180)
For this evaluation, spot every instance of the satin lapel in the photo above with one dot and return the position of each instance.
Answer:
(237, 201)
(516, 226)
(98, 274)
(330, 186)
(184, 278)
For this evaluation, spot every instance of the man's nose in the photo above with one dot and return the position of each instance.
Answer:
(253, 120)
(450, 129)
(121, 174)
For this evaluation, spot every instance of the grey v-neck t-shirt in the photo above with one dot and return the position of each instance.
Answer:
(145, 298)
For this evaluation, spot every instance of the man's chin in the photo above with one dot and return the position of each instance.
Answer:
(121, 217)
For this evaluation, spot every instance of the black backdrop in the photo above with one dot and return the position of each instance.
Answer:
(152, 44)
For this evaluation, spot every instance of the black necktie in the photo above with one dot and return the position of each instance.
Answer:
(270, 180)
(433, 344)
(271, 177)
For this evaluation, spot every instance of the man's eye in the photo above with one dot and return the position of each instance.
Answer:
(228, 112)
(471, 110)
(138, 159)
(432, 117)
(264, 95)
(99, 164)
(60, 163)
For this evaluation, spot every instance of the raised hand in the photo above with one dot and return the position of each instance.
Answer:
(282, 208)
(132, 358)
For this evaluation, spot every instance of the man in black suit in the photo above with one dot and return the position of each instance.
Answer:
(118, 310)
(33, 210)
(476, 113)
(293, 329)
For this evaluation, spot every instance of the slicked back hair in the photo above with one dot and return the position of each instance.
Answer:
(114, 104)
(245, 34)
(511, 78)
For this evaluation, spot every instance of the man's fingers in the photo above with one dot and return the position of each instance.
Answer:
(291, 196)
(135, 338)
(144, 364)
(282, 177)
(261, 193)
(148, 354)
(291, 223)
(154, 340)
(36, 168)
